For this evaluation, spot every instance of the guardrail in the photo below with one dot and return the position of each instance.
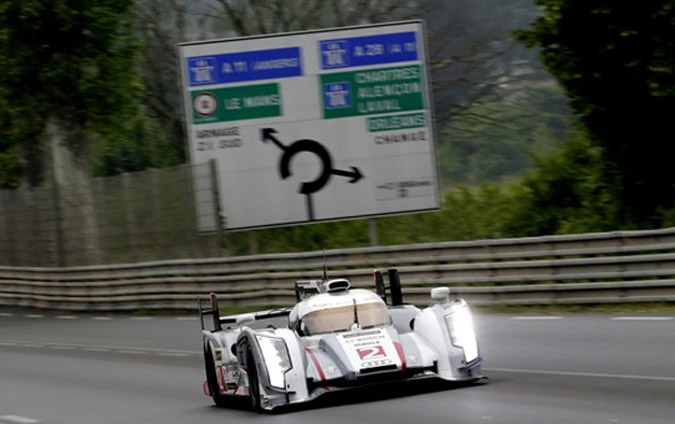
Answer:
(626, 266)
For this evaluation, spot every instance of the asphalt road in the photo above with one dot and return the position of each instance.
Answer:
(60, 368)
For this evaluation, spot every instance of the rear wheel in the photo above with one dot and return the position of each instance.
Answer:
(212, 378)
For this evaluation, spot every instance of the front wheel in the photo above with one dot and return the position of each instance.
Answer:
(253, 380)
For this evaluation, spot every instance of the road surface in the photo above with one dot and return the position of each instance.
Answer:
(60, 368)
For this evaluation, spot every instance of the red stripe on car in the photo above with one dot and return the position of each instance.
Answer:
(317, 365)
(401, 355)
(221, 379)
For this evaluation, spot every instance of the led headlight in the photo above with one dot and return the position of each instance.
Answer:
(277, 360)
(462, 334)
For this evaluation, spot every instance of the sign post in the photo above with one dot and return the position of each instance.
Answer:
(313, 126)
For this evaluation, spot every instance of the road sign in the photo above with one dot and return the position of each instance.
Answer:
(313, 126)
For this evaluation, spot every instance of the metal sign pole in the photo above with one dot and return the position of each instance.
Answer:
(372, 229)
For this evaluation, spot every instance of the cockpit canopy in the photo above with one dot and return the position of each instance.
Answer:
(339, 310)
(344, 317)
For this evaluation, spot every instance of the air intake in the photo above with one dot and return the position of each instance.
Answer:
(337, 285)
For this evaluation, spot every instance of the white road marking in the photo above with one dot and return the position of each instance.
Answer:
(187, 318)
(62, 347)
(17, 419)
(642, 318)
(6, 314)
(537, 318)
(66, 317)
(585, 374)
(175, 354)
(94, 348)
(34, 316)
(102, 318)
(141, 318)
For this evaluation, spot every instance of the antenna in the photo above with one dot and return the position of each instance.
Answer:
(325, 268)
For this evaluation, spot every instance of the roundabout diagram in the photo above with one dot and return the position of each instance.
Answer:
(308, 188)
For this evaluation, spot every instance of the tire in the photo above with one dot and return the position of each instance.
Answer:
(212, 378)
(253, 380)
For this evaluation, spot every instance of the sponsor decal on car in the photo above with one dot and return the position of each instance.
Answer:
(370, 349)
(371, 352)
(376, 363)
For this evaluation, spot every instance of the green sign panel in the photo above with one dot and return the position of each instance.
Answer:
(236, 103)
(397, 122)
(370, 92)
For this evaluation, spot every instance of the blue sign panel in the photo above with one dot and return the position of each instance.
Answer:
(368, 50)
(245, 66)
(337, 95)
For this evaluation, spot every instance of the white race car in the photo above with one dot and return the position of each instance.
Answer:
(336, 338)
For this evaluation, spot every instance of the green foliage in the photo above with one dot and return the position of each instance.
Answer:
(10, 165)
(143, 146)
(329, 235)
(616, 60)
(566, 193)
(467, 214)
(497, 140)
(73, 61)
(10, 168)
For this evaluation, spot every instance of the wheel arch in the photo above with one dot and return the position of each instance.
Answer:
(295, 378)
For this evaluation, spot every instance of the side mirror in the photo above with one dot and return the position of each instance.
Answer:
(441, 294)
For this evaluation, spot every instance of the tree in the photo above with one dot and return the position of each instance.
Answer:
(71, 63)
(565, 193)
(615, 60)
(250, 17)
(496, 140)
(162, 24)
(72, 66)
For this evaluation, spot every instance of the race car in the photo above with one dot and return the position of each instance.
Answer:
(336, 338)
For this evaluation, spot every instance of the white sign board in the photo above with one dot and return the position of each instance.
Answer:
(313, 126)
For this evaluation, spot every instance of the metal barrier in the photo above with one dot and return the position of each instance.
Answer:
(628, 266)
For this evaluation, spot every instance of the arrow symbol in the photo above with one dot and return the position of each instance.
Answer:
(355, 174)
(268, 135)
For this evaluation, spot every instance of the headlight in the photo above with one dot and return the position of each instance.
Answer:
(277, 359)
(460, 324)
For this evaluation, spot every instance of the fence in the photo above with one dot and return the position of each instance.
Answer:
(636, 266)
(137, 217)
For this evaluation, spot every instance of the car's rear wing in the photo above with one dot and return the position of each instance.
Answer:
(209, 307)
(307, 288)
(393, 288)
